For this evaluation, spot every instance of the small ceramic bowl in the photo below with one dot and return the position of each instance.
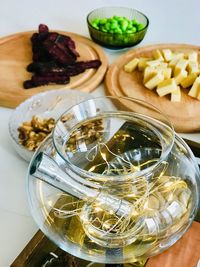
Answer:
(114, 39)
(50, 104)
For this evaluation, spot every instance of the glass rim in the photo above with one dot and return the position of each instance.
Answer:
(115, 7)
(121, 177)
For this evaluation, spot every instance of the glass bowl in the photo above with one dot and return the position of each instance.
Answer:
(112, 185)
(44, 105)
(116, 40)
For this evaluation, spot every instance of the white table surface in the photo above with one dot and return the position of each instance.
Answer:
(173, 21)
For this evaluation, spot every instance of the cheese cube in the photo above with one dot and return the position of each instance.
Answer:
(195, 89)
(154, 81)
(181, 76)
(142, 63)
(149, 72)
(189, 80)
(173, 63)
(193, 67)
(178, 55)
(180, 66)
(176, 95)
(162, 65)
(157, 55)
(167, 73)
(164, 70)
(153, 63)
(131, 65)
(167, 54)
(166, 87)
(193, 56)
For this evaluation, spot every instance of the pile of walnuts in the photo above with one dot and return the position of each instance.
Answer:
(32, 133)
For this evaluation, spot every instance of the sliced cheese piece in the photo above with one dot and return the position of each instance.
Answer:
(153, 63)
(157, 55)
(173, 63)
(195, 89)
(176, 95)
(193, 56)
(181, 76)
(162, 65)
(180, 66)
(149, 72)
(131, 65)
(166, 87)
(167, 54)
(189, 80)
(143, 63)
(193, 67)
(178, 55)
(167, 72)
(154, 81)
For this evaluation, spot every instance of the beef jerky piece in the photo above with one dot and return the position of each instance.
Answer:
(42, 67)
(63, 57)
(43, 28)
(52, 36)
(72, 47)
(74, 70)
(66, 43)
(44, 80)
(81, 66)
(41, 56)
(90, 64)
(39, 37)
(39, 52)
(62, 73)
(43, 32)
(29, 84)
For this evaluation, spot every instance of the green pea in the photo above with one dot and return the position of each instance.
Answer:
(96, 21)
(113, 26)
(120, 31)
(104, 30)
(135, 22)
(108, 26)
(129, 31)
(140, 26)
(124, 25)
(103, 21)
(95, 26)
(134, 29)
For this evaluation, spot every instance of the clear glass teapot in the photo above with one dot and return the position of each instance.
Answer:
(113, 183)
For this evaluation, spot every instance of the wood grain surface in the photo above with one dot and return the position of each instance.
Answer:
(183, 115)
(16, 54)
(184, 253)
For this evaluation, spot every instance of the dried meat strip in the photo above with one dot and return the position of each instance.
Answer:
(54, 59)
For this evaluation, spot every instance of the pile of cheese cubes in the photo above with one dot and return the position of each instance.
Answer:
(168, 72)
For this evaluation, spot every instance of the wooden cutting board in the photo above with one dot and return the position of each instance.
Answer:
(184, 115)
(184, 253)
(16, 54)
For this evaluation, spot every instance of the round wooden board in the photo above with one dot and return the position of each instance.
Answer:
(16, 54)
(184, 115)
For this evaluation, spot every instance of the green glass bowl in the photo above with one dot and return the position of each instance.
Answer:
(117, 40)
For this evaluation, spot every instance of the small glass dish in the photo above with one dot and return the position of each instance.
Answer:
(117, 40)
(49, 104)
